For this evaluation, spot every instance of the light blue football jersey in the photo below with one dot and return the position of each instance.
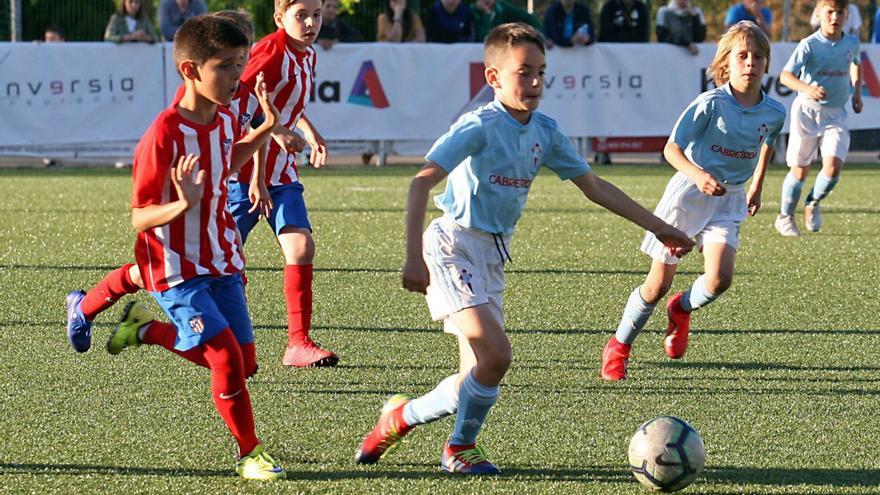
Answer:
(822, 62)
(723, 137)
(492, 160)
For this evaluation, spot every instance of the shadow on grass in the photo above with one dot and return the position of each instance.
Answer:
(597, 474)
(795, 476)
(252, 269)
(753, 366)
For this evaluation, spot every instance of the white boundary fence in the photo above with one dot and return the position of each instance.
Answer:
(96, 99)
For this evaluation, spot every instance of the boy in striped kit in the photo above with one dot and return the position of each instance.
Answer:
(723, 138)
(288, 59)
(490, 156)
(824, 69)
(82, 307)
(188, 250)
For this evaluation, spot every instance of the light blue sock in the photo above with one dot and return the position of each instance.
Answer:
(635, 315)
(821, 188)
(436, 404)
(696, 296)
(474, 402)
(791, 193)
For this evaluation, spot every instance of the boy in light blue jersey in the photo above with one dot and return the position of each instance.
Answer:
(721, 140)
(491, 156)
(824, 69)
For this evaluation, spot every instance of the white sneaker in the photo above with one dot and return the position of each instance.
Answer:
(786, 226)
(812, 216)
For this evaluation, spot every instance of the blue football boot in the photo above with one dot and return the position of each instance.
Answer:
(79, 329)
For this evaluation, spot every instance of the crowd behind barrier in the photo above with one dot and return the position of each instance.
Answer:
(365, 91)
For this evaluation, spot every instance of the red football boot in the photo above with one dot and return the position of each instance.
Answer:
(615, 359)
(389, 429)
(676, 342)
(306, 354)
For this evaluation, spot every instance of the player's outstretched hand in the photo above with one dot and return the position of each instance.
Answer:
(754, 202)
(415, 276)
(816, 92)
(272, 114)
(676, 241)
(260, 199)
(288, 140)
(188, 183)
(318, 146)
(709, 185)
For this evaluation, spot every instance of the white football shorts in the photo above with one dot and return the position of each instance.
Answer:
(814, 127)
(709, 219)
(466, 267)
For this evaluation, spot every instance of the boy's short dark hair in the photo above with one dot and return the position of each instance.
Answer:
(242, 20)
(201, 37)
(507, 36)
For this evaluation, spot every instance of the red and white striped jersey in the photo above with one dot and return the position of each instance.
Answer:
(244, 106)
(289, 76)
(204, 240)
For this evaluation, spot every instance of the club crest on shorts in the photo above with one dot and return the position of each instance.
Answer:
(197, 324)
(465, 277)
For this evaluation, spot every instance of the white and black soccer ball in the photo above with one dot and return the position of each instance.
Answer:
(666, 454)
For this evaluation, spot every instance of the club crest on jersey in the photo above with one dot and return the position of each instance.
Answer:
(763, 130)
(465, 277)
(721, 125)
(243, 120)
(536, 156)
(227, 145)
(197, 324)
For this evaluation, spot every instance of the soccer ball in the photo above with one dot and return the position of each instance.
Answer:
(666, 454)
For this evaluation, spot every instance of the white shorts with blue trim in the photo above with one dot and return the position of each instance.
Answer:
(466, 267)
(814, 127)
(709, 219)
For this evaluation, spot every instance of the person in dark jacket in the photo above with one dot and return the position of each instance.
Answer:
(680, 23)
(624, 21)
(449, 21)
(568, 23)
(335, 30)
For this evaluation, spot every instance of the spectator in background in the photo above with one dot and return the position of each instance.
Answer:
(680, 23)
(568, 23)
(853, 24)
(399, 24)
(624, 21)
(53, 34)
(172, 13)
(750, 10)
(490, 13)
(449, 21)
(335, 30)
(130, 23)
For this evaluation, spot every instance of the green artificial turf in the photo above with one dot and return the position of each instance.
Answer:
(782, 378)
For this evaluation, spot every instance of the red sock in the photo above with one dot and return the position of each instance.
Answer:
(249, 354)
(110, 289)
(165, 334)
(228, 389)
(298, 296)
